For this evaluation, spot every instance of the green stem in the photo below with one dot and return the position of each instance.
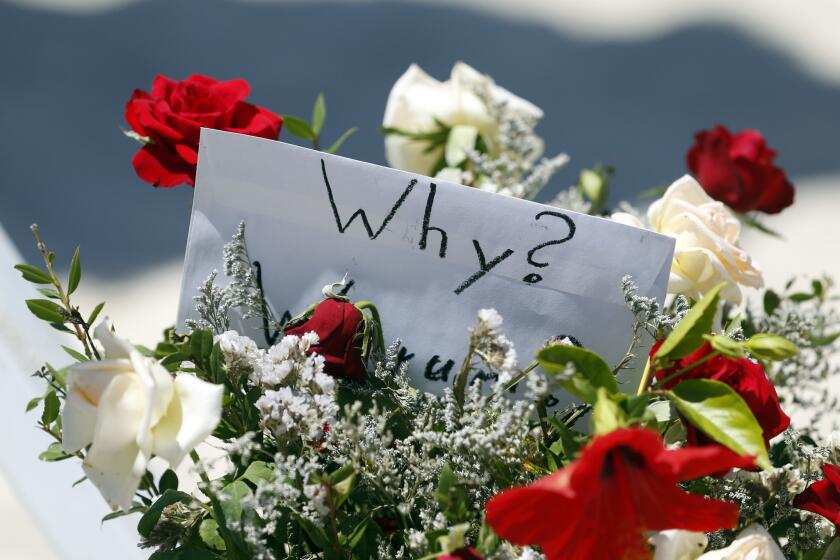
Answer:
(645, 381)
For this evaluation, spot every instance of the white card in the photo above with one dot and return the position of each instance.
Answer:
(427, 252)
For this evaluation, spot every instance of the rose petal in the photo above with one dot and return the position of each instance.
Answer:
(193, 414)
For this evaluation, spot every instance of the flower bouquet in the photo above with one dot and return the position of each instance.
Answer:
(307, 438)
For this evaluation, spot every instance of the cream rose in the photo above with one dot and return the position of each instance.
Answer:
(675, 544)
(753, 543)
(129, 408)
(707, 234)
(417, 100)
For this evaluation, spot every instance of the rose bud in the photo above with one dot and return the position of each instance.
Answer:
(345, 336)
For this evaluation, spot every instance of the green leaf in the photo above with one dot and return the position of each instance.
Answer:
(257, 471)
(771, 347)
(209, 533)
(46, 310)
(168, 481)
(719, 412)
(33, 274)
(725, 345)
(772, 301)
(592, 371)
(799, 297)
(201, 345)
(341, 139)
(607, 416)
(319, 114)
(688, 336)
(231, 500)
(823, 340)
(54, 453)
(150, 518)
(78, 356)
(75, 272)
(49, 292)
(33, 403)
(120, 513)
(52, 406)
(750, 221)
(298, 127)
(95, 313)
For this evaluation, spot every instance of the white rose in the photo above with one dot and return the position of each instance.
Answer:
(707, 234)
(675, 544)
(753, 543)
(417, 100)
(128, 408)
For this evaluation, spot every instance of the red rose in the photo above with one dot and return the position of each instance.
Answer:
(746, 377)
(623, 485)
(738, 170)
(339, 325)
(172, 115)
(823, 497)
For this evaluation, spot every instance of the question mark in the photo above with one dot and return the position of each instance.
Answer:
(533, 277)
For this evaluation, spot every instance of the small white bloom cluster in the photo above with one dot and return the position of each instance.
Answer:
(492, 346)
(298, 400)
(510, 169)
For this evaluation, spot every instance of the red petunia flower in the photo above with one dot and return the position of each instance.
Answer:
(823, 496)
(738, 170)
(746, 377)
(623, 485)
(171, 117)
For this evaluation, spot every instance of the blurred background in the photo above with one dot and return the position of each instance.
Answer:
(623, 83)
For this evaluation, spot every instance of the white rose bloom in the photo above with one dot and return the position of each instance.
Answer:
(707, 234)
(128, 408)
(753, 543)
(417, 99)
(675, 544)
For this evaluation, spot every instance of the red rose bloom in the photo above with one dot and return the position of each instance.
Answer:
(173, 114)
(738, 170)
(746, 377)
(823, 497)
(338, 324)
(465, 553)
(623, 485)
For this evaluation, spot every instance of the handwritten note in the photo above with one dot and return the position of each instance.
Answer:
(429, 253)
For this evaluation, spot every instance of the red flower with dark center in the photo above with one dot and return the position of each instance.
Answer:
(823, 496)
(746, 377)
(738, 170)
(171, 117)
(339, 325)
(623, 485)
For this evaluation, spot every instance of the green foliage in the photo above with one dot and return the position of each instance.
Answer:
(688, 335)
(594, 185)
(150, 518)
(75, 274)
(311, 131)
(718, 411)
(168, 481)
(33, 274)
(591, 371)
(771, 347)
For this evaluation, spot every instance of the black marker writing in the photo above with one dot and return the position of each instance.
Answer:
(426, 227)
(483, 265)
(533, 277)
(360, 212)
(439, 374)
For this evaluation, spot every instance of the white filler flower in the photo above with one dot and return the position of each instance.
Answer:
(417, 101)
(128, 408)
(707, 233)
